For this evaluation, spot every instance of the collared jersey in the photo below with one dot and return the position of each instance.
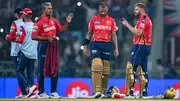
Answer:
(46, 27)
(102, 28)
(145, 24)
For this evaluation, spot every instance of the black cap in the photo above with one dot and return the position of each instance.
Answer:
(18, 10)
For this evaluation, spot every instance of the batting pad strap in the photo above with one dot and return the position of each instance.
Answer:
(106, 69)
(129, 77)
(142, 79)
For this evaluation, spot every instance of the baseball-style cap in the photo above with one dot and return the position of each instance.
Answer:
(27, 11)
(18, 10)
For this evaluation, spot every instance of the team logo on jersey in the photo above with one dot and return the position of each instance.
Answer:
(44, 25)
(96, 22)
(108, 22)
(143, 20)
(142, 25)
(12, 27)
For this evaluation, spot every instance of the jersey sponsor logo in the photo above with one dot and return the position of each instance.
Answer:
(44, 25)
(49, 28)
(94, 51)
(107, 53)
(11, 30)
(101, 27)
(96, 22)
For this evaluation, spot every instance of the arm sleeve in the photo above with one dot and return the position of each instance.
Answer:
(57, 25)
(91, 24)
(114, 27)
(22, 36)
(12, 33)
(36, 29)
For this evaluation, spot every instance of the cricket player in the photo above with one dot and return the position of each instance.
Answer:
(141, 49)
(14, 33)
(28, 54)
(45, 32)
(100, 30)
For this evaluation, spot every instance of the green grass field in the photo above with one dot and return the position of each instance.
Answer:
(89, 100)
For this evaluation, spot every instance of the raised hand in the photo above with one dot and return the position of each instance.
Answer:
(124, 22)
(69, 17)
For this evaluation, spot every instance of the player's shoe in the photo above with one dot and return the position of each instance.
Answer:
(43, 96)
(32, 90)
(97, 95)
(129, 97)
(19, 96)
(54, 95)
(145, 93)
(103, 96)
(35, 96)
(132, 92)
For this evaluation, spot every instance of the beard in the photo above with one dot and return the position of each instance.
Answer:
(138, 14)
(103, 15)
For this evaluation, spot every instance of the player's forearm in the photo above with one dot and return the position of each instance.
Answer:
(39, 38)
(89, 35)
(64, 27)
(134, 30)
(114, 39)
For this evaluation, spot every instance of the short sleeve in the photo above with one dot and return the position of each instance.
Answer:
(36, 29)
(12, 33)
(57, 25)
(114, 27)
(91, 24)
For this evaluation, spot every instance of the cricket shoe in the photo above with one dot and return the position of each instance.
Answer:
(54, 95)
(130, 97)
(32, 90)
(19, 96)
(97, 95)
(43, 96)
(103, 96)
(35, 96)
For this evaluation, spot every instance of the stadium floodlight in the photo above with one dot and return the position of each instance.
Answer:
(1, 30)
(79, 3)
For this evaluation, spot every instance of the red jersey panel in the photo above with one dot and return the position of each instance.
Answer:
(145, 24)
(102, 28)
(46, 27)
(12, 34)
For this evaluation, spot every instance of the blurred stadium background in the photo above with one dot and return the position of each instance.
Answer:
(163, 63)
